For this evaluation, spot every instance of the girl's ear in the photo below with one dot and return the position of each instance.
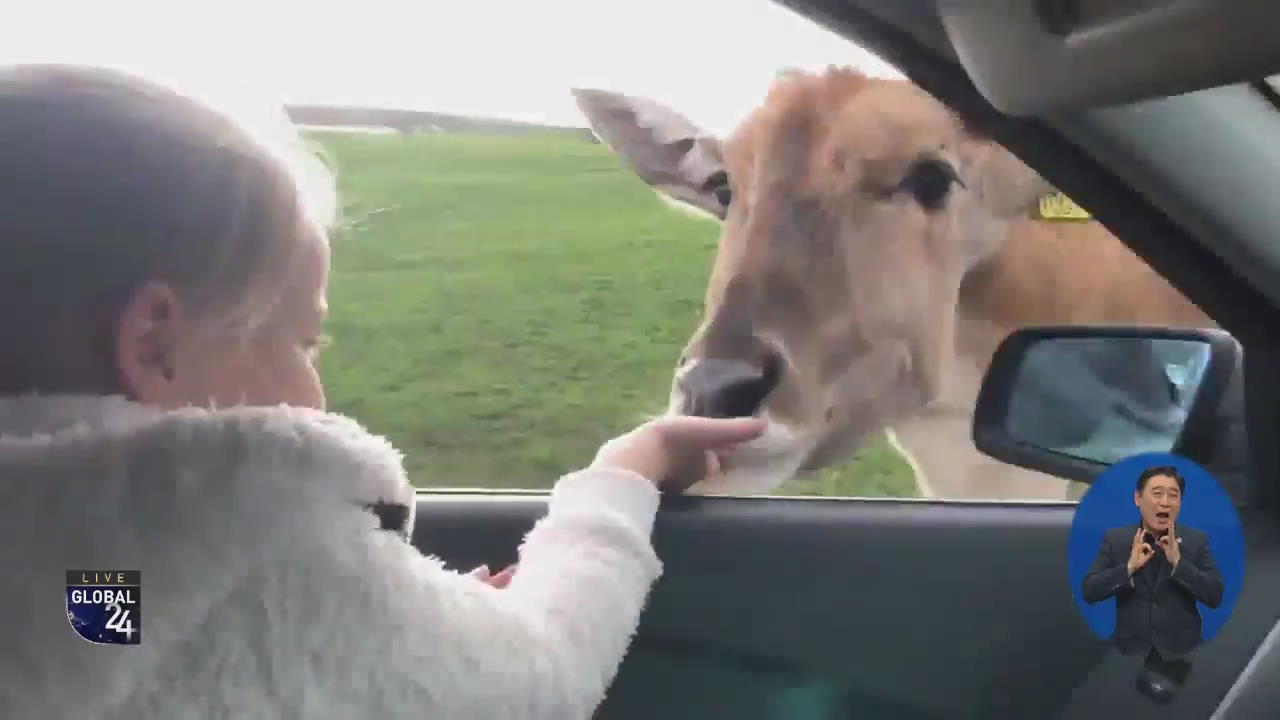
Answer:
(148, 332)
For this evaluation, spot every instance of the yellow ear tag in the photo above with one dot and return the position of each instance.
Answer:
(1056, 206)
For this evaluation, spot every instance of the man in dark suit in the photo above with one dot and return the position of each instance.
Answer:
(1155, 572)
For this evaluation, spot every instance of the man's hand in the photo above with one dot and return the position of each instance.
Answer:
(1139, 554)
(1172, 550)
(499, 581)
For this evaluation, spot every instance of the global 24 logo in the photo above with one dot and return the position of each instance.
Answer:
(105, 607)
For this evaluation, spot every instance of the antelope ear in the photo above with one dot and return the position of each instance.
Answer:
(663, 147)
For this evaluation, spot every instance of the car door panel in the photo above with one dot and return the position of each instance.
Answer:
(866, 608)
(1255, 692)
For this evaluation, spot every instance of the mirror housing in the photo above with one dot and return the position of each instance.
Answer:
(1070, 401)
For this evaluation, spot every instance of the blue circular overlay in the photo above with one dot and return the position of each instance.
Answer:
(1109, 503)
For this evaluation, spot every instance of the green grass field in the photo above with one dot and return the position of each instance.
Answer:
(501, 305)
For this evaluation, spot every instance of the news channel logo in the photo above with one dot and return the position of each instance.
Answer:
(105, 606)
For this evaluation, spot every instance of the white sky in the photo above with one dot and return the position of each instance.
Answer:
(517, 59)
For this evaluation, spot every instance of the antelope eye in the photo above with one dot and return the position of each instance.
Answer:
(929, 181)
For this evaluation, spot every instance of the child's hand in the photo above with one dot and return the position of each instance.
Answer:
(678, 451)
(499, 581)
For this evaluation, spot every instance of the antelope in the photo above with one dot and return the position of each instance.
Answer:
(873, 253)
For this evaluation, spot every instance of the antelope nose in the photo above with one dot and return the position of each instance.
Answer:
(720, 388)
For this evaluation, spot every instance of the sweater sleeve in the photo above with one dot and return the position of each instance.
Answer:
(430, 642)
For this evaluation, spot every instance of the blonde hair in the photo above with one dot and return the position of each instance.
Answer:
(110, 181)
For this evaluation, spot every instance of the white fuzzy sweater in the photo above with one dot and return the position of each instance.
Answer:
(269, 589)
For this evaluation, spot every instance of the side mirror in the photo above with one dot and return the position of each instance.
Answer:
(1070, 401)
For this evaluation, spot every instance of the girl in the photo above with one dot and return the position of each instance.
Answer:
(162, 289)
